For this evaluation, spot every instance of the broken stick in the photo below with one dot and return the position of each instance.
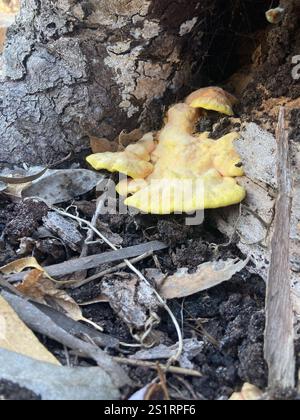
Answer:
(94, 261)
(279, 333)
(39, 322)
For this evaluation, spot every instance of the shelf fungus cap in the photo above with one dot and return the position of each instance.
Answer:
(168, 196)
(213, 99)
(134, 161)
(191, 173)
(179, 171)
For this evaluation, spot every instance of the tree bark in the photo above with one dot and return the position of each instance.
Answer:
(92, 67)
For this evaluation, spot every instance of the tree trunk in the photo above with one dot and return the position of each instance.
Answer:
(92, 67)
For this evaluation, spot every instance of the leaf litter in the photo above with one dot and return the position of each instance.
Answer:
(137, 299)
(132, 299)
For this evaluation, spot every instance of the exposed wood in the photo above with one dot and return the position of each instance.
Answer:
(93, 261)
(279, 333)
(252, 223)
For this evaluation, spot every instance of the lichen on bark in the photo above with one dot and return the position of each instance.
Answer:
(92, 67)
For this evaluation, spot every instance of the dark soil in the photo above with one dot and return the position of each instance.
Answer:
(229, 318)
(24, 219)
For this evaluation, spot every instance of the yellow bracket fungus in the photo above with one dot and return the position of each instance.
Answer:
(179, 171)
(214, 99)
(134, 161)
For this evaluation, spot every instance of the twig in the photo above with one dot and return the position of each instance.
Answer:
(90, 232)
(7, 286)
(42, 324)
(78, 329)
(31, 178)
(93, 261)
(76, 284)
(64, 322)
(59, 162)
(279, 334)
(140, 276)
(153, 366)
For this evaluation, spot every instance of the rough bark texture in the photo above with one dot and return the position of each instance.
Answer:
(279, 333)
(95, 66)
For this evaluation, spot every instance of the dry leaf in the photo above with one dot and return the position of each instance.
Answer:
(17, 180)
(58, 186)
(102, 145)
(16, 190)
(22, 176)
(157, 392)
(16, 337)
(248, 393)
(43, 290)
(208, 275)
(151, 392)
(19, 265)
(125, 139)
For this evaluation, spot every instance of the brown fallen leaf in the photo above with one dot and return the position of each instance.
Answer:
(43, 290)
(102, 145)
(208, 275)
(248, 393)
(17, 337)
(125, 139)
(20, 265)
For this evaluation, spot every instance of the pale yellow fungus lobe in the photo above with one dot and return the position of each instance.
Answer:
(134, 161)
(213, 99)
(181, 171)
